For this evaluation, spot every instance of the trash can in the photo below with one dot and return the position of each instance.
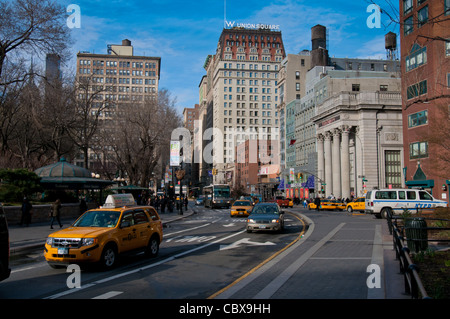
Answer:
(416, 234)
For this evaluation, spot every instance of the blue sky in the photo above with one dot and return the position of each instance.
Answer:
(183, 33)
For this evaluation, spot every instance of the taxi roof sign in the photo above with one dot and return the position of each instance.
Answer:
(119, 200)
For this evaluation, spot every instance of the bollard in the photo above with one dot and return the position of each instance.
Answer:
(416, 234)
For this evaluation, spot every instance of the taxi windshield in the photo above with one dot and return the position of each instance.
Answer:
(242, 203)
(98, 219)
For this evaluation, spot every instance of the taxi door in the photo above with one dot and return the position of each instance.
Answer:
(360, 203)
(143, 228)
(155, 222)
(127, 232)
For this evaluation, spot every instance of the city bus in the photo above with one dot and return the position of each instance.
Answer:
(218, 195)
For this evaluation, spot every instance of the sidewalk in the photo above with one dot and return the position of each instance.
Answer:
(22, 238)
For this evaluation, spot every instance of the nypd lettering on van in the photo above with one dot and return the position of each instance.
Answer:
(380, 202)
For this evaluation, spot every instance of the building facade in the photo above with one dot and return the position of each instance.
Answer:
(242, 79)
(116, 78)
(348, 126)
(425, 67)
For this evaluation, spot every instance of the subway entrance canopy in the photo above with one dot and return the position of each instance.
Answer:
(66, 176)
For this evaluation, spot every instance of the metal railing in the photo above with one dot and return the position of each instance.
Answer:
(406, 234)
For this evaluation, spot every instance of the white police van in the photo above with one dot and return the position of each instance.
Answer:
(382, 201)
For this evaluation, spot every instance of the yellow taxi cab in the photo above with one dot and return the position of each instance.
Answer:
(101, 235)
(241, 208)
(338, 204)
(358, 204)
(324, 204)
(291, 202)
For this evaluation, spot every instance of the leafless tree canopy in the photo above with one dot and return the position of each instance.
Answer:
(138, 135)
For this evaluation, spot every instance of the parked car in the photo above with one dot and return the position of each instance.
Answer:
(359, 204)
(241, 208)
(5, 271)
(265, 216)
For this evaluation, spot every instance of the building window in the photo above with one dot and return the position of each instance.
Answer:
(383, 88)
(422, 16)
(355, 87)
(417, 57)
(393, 169)
(418, 150)
(447, 46)
(408, 26)
(407, 6)
(416, 89)
(447, 7)
(419, 118)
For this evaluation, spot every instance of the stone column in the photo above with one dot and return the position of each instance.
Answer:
(336, 163)
(359, 150)
(328, 174)
(345, 162)
(320, 162)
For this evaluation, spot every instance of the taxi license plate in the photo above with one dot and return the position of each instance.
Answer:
(240, 213)
(262, 226)
(63, 251)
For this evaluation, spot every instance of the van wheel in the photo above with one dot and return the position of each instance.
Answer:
(109, 257)
(153, 247)
(385, 212)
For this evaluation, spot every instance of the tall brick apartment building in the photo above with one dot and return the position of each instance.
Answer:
(425, 67)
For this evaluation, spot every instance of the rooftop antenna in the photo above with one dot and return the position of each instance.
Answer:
(224, 13)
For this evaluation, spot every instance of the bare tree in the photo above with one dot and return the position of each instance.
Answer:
(140, 133)
(87, 106)
(32, 26)
(27, 27)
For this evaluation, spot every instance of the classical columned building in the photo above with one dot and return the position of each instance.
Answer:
(359, 143)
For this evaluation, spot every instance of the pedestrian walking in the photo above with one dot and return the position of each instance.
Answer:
(56, 213)
(83, 206)
(186, 201)
(26, 212)
(317, 203)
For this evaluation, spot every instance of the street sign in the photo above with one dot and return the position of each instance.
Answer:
(174, 153)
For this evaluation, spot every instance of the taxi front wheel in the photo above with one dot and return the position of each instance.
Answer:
(109, 257)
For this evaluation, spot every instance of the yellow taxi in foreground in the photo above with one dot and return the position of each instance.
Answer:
(101, 235)
(358, 204)
(241, 208)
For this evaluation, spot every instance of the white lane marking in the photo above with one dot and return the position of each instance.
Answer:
(108, 295)
(245, 241)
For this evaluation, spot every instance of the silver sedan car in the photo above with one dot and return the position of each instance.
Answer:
(265, 216)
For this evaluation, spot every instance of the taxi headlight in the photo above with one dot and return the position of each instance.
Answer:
(49, 241)
(88, 241)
